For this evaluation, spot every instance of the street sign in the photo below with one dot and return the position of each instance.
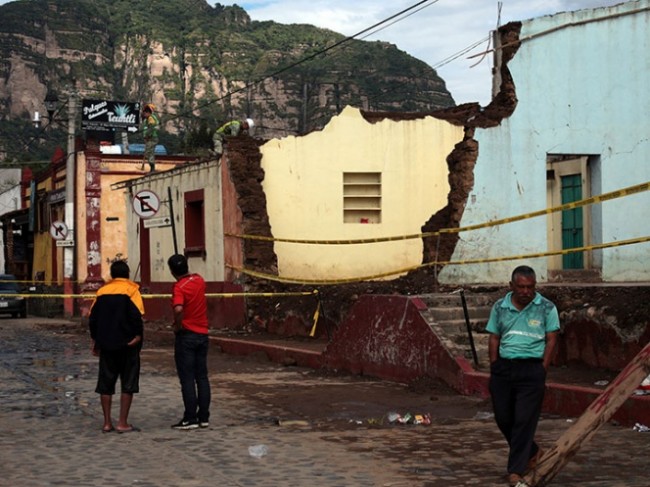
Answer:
(161, 221)
(58, 230)
(65, 243)
(146, 203)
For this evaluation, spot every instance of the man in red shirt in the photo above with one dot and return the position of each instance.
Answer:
(191, 343)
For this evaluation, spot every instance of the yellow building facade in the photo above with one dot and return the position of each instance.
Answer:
(356, 180)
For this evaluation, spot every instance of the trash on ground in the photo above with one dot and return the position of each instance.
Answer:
(257, 451)
(292, 422)
(601, 382)
(392, 417)
(641, 428)
(409, 418)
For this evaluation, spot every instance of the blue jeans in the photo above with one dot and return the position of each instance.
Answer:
(191, 356)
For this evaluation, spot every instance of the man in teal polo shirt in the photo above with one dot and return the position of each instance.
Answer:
(523, 328)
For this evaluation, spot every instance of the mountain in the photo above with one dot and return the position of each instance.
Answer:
(200, 65)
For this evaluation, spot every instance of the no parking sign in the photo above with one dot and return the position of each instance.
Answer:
(146, 203)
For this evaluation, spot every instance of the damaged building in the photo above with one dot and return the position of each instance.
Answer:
(362, 219)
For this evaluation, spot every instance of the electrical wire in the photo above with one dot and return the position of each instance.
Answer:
(301, 61)
(399, 20)
(373, 29)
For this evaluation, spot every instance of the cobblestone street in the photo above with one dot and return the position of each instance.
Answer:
(319, 430)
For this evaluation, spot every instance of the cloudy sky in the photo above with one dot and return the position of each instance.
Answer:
(433, 32)
(439, 30)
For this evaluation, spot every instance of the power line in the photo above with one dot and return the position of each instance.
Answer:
(305, 59)
(399, 20)
(373, 29)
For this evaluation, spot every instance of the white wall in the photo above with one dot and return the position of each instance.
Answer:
(582, 90)
(191, 177)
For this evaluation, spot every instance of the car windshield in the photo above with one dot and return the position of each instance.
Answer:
(7, 286)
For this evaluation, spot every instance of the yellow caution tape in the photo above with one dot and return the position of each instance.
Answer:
(567, 206)
(83, 296)
(316, 314)
(36, 283)
(404, 270)
(168, 296)
(639, 188)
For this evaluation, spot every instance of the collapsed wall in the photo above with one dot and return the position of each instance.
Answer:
(295, 315)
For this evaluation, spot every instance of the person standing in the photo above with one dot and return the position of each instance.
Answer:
(116, 331)
(150, 127)
(230, 129)
(523, 328)
(191, 344)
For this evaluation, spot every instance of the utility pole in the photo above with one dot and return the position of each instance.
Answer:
(69, 252)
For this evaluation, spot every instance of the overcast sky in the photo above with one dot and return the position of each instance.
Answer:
(439, 30)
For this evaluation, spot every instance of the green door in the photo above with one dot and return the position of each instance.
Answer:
(572, 231)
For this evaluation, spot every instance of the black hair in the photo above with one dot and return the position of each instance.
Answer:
(178, 265)
(523, 270)
(120, 268)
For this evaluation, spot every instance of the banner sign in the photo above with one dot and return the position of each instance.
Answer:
(106, 116)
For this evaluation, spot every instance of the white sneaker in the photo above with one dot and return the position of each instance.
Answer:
(185, 425)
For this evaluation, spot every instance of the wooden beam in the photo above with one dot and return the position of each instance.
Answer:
(597, 414)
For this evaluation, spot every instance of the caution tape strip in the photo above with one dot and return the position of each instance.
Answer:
(42, 283)
(288, 280)
(167, 296)
(639, 188)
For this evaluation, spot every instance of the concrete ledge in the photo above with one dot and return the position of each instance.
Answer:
(566, 400)
(275, 351)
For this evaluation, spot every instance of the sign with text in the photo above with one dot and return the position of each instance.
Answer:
(104, 115)
(161, 221)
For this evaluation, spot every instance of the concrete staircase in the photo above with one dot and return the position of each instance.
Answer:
(444, 313)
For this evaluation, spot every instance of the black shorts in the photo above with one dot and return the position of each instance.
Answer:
(124, 364)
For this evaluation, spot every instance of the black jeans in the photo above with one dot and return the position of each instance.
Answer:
(191, 356)
(517, 390)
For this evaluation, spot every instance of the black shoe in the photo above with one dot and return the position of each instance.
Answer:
(185, 425)
(204, 424)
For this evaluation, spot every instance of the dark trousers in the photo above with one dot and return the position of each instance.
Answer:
(191, 356)
(517, 389)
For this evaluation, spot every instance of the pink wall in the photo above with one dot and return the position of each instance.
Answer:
(386, 337)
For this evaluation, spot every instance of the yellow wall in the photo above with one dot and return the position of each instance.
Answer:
(303, 184)
(44, 244)
(112, 204)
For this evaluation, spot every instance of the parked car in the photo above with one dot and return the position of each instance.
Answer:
(14, 305)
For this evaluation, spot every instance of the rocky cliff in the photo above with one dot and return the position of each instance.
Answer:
(200, 65)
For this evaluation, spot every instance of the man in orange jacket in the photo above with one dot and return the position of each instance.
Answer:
(116, 331)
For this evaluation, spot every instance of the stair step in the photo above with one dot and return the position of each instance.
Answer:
(446, 317)
(441, 300)
(459, 325)
(449, 313)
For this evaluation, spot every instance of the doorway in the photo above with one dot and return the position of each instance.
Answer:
(567, 180)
